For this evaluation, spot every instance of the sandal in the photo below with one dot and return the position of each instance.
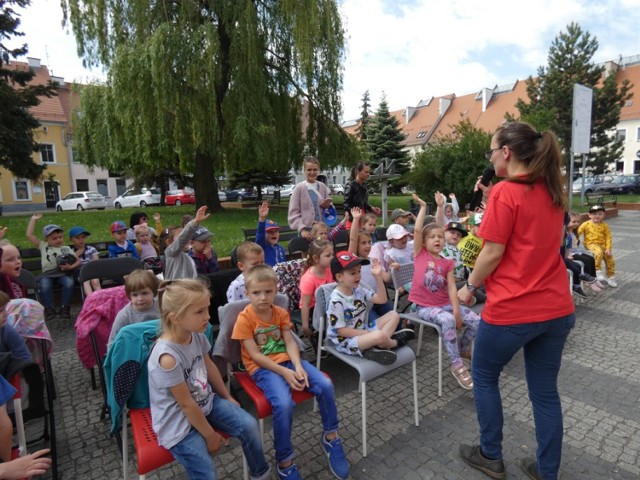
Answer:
(461, 374)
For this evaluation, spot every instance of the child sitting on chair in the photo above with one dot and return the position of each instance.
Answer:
(272, 358)
(267, 237)
(347, 325)
(249, 255)
(141, 288)
(597, 238)
(202, 253)
(85, 253)
(121, 246)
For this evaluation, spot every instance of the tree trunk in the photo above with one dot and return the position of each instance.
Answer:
(205, 183)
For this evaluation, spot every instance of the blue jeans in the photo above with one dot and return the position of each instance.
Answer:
(45, 287)
(378, 310)
(278, 393)
(191, 452)
(543, 343)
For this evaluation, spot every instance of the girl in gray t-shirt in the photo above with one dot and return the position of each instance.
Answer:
(187, 394)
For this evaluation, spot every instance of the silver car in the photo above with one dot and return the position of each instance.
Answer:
(82, 201)
(138, 198)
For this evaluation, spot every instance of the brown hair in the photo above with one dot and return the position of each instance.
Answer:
(427, 229)
(175, 296)
(315, 250)
(310, 159)
(361, 233)
(260, 273)
(247, 248)
(167, 236)
(358, 168)
(318, 226)
(186, 219)
(540, 152)
(367, 218)
(139, 280)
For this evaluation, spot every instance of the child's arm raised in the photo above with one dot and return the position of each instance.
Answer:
(31, 227)
(417, 229)
(190, 409)
(381, 291)
(263, 212)
(356, 214)
(440, 200)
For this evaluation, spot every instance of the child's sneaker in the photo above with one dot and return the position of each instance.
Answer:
(611, 282)
(288, 473)
(65, 312)
(462, 375)
(49, 314)
(338, 462)
(585, 277)
(383, 356)
(595, 287)
(403, 336)
(578, 292)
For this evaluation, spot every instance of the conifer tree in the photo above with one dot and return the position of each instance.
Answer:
(384, 139)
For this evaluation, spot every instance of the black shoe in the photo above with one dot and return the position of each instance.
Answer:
(530, 467)
(472, 456)
(50, 313)
(65, 312)
(403, 336)
(578, 292)
(585, 277)
(383, 356)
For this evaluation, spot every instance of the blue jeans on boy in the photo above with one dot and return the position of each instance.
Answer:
(278, 393)
(377, 311)
(45, 287)
(191, 452)
(543, 344)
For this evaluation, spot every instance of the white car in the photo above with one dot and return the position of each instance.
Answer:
(286, 191)
(337, 189)
(82, 201)
(138, 198)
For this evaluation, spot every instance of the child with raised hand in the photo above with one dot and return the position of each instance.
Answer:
(317, 273)
(187, 394)
(272, 358)
(202, 253)
(435, 295)
(249, 255)
(178, 264)
(597, 238)
(267, 237)
(121, 246)
(58, 264)
(141, 288)
(451, 210)
(86, 253)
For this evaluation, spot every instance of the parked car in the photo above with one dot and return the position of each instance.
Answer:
(222, 196)
(591, 183)
(625, 184)
(286, 191)
(180, 197)
(138, 197)
(240, 194)
(82, 201)
(337, 189)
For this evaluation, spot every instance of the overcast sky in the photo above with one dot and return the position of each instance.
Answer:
(414, 49)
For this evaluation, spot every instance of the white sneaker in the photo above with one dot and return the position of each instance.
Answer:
(600, 276)
(611, 282)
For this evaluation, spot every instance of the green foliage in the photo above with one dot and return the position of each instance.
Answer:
(258, 178)
(361, 131)
(452, 163)
(551, 97)
(16, 97)
(221, 86)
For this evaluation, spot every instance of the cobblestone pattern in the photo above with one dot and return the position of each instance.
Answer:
(599, 383)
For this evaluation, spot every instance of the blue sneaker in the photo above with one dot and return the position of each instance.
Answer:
(288, 473)
(338, 462)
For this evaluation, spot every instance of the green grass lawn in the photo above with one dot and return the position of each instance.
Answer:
(225, 225)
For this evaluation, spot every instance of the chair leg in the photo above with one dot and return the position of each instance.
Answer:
(92, 373)
(415, 391)
(363, 388)
(439, 365)
(125, 446)
(420, 333)
(261, 425)
(51, 395)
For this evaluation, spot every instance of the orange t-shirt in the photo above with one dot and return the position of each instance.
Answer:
(530, 283)
(267, 335)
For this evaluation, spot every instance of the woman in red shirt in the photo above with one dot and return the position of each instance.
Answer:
(529, 305)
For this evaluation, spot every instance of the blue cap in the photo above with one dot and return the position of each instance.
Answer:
(271, 225)
(330, 215)
(49, 229)
(75, 231)
(118, 226)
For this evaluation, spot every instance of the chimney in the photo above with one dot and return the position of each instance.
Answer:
(487, 93)
(59, 81)
(33, 62)
(408, 113)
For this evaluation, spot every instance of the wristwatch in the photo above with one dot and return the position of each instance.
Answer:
(471, 288)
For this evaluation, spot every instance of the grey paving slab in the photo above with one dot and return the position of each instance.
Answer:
(599, 383)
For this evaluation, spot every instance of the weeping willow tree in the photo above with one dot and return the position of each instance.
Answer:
(210, 86)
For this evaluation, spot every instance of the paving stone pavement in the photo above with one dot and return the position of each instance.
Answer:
(599, 384)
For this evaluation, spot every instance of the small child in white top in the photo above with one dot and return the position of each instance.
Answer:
(85, 253)
(249, 255)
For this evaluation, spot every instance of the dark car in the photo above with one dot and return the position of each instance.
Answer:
(625, 184)
(240, 195)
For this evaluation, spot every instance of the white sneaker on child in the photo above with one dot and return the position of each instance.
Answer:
(612, 283)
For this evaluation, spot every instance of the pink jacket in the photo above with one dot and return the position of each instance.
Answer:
(301, 211)
(98, 313)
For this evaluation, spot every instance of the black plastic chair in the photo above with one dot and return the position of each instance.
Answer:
(341, 241)
(298, 244)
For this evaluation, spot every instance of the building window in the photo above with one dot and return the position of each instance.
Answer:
(621, 135)
(121, 186)
(46, 153)
(21, 189)
(82, 185)
(103, 189)
(636, 166)
(638, 134)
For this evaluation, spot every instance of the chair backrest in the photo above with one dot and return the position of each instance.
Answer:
(109, 268)
(341, 241)
(298, 244)
(29, 282)
(381, 233)
(401, 276)
(218, 285)
(320, 310)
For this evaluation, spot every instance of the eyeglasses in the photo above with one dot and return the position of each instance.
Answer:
(489, 153)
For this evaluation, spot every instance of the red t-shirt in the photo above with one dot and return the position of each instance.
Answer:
(309, 283)
(530, 283)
